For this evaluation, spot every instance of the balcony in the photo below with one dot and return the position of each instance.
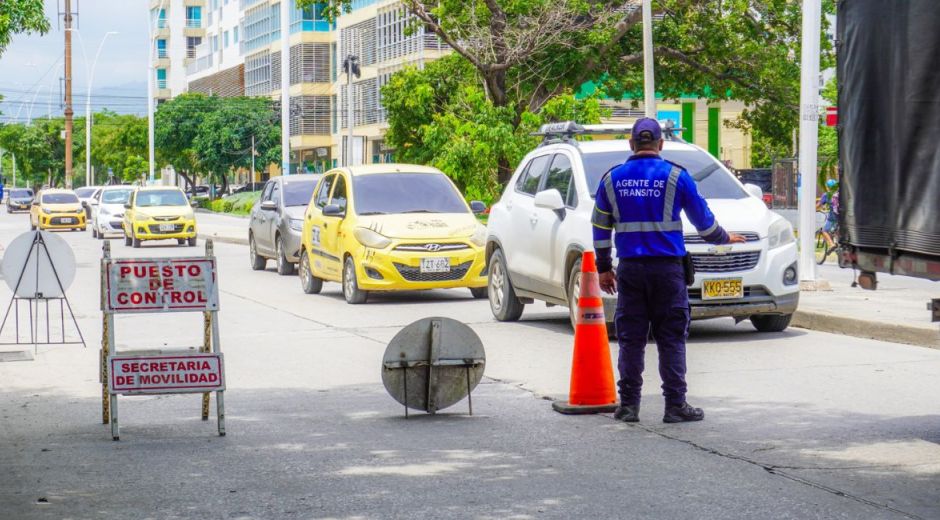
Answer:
(162, 53)
(190, 52)
(193, 23)
(161, 83)
(161, 23)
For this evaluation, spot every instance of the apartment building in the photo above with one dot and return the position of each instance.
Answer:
(177, 28)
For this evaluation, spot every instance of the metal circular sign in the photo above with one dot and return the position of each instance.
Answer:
(433, 363)
(38, 264)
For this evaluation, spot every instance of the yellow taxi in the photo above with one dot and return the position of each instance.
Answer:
(390, 227)
(158, 213)
(57, 209)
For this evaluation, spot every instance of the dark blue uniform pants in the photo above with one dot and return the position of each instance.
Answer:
(652, 296)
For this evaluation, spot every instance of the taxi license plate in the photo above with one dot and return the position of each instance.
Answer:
(435, 265)
(725, 288)
(167, 227)
(66, 220)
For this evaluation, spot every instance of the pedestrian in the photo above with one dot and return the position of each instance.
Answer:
(639, 202)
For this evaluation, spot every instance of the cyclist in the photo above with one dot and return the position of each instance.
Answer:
(829, 202)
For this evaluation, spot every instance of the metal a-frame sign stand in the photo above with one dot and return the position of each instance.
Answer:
(33, 302)
(142, 285)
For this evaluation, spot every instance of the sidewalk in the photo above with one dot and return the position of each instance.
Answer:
(896, 312)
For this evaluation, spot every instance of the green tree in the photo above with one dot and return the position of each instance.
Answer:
(525, 53)
(119, 142)
(39, 149)
(21, 16)
(176, 126)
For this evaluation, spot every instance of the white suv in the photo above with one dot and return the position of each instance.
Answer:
(539, 228)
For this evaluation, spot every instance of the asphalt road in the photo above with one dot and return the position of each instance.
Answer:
(799, 424)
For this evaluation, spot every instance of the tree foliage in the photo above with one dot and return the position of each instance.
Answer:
(209, 134)
(526, 53)
(21, 16)
(39, 150)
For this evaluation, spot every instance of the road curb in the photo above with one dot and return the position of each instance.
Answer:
(861, 328)
(224, 240)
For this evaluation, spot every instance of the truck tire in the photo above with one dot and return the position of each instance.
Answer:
(503, 301)
(771, 322)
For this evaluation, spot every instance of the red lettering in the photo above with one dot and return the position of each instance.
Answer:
(167, 284)
(167, 271)
(154, 284)
(124, 271)
(144, 380)
(195, 270)
(201, 297)
(150, 298)
(122, 298)
(125, 367)
(135, 367)
(213, 378)
(175, 297)
(189, 297)
(140, 271)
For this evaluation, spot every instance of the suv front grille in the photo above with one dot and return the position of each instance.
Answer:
(712, 263)
(697, 239)
(414, 274)
(165, 219)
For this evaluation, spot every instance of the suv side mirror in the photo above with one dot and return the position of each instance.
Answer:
(477, 207)
(332, 210)
(754, 190)
(269, 205)
(551, 199)
(127, 205)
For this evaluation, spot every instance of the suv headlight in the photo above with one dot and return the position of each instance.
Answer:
(780, 234)
(479, 236)
(370, 238)
(297, 224)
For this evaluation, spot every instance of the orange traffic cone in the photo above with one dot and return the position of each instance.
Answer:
(592, 376)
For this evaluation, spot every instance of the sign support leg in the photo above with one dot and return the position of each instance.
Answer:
(217, 348)
(115, 429)
(106, 321)
(206, 347)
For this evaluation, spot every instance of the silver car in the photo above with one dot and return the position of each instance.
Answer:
(277, 222)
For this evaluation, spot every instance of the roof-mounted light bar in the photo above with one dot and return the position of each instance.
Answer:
(568, 129)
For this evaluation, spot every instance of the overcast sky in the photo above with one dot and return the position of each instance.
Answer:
(31, 67)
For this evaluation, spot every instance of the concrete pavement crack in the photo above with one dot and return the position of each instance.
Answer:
(778, 471)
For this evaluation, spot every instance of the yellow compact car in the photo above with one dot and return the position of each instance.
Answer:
(57, 209)
(159, 213)
(390, 227)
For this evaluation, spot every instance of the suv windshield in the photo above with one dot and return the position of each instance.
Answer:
(298, 193)
(713, 180)
(85, 192)
(406, 193)
(59, 198)
(115, 196)
(160, 198)
(21, 194)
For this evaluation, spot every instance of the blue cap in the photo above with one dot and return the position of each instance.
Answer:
(831, 183)
(646, 130)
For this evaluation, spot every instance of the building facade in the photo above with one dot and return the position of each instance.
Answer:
(177, 28)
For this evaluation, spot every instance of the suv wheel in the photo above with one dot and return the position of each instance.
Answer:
(574, 291)
(284, 268)
(127, 240)
(310, 283)
(351, 291)
(258, 262)
(503, 301)
(771, 322)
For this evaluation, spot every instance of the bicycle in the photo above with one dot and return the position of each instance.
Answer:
(824, 245)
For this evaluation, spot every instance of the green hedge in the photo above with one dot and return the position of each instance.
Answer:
(238, 204)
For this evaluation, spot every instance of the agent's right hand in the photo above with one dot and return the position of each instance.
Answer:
(734, 238)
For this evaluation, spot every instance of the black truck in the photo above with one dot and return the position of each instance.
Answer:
(888, 68)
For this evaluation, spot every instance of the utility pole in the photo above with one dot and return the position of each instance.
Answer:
(252, 179)
(285, 86)
(351, 66)
(649, 78)
(68, 94)
(809, 139)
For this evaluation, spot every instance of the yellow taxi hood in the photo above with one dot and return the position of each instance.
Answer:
(165, 211)
(431, 226)
(73, 207)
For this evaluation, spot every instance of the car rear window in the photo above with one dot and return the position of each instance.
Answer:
(406, 193)
(713, 179)
(59, 198)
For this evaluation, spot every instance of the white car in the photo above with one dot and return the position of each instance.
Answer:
(107, 210)
(539, 228)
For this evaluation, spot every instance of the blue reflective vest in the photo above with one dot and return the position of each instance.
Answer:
(639, 203)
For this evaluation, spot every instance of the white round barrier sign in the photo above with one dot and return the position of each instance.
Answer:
(41, 263)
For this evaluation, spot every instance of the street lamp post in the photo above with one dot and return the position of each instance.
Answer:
(649, 78)
(351, 66)
(285, 87)
(809, 139)
(90, 74)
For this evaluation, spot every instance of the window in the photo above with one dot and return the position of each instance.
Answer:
(529, 181)
(339, 193)
(161, 78)
(323, 194)
(161, 48)
(225, 39)
(235, 34)
(215, 42)
(266, 194)
(276, 194)
(560, 178)
(193, 16)
(191, 43)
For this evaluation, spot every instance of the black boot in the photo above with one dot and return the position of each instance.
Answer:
(683, 413)
(627, 413)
